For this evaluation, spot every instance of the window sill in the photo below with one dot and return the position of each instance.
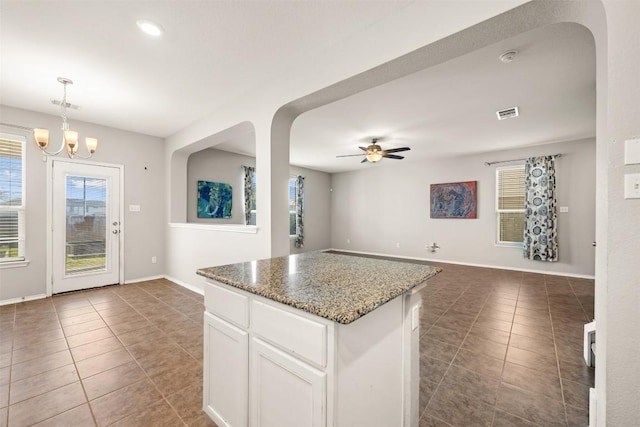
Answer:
(231, 228)
(509, 245)
(14, 264)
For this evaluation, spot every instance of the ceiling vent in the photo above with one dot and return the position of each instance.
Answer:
(508, 113)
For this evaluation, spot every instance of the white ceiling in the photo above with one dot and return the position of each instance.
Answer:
(211, 53)
(450, 109)
(215, 51)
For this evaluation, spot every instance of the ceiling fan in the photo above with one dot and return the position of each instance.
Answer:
(374, 153)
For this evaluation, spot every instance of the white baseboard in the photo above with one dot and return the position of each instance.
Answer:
(499, 267)
(22, 299)
(144, 279)
(185, 285)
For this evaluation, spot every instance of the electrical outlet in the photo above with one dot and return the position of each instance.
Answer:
(154, 260)
(397, 245)
(348, 241)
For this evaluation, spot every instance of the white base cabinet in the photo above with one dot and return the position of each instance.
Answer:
(285, 391)
(270, 365)
(226, 369)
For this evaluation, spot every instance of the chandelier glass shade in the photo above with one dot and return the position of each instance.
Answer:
(69, 137)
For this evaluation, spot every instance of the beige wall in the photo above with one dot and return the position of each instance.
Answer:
(217, 166)
(142, 157)
(223, 166)
(380, 207)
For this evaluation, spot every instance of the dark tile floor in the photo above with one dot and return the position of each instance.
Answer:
(504, 348)
(498, 348)
(121, 355)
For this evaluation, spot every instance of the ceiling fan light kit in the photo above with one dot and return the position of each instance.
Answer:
(374, 153)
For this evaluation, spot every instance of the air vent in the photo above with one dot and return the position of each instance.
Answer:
(508, 113)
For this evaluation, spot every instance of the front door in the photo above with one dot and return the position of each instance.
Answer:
(85, 250)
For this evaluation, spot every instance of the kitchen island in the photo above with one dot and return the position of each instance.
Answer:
(314, 339)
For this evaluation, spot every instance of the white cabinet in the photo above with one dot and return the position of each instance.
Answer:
(226, 369)
(285, 391)
(270, 365)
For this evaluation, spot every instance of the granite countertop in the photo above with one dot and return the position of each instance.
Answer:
(340, 288)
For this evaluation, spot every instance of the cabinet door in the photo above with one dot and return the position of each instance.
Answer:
(225, 374)
(285, 391)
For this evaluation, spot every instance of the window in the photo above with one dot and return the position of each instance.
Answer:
(292, 206)
(12, 230)
(510, 198)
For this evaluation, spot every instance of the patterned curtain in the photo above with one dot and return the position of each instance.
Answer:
(299, 242)
(249, 172)
(540, 224)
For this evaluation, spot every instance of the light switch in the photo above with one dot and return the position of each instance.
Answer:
(632, 151)
(134, 208)
(632, 186)
(564, 209)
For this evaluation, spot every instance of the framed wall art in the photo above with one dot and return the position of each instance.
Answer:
(454, 200)
(214, 199)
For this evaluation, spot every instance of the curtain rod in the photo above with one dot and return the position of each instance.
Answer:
(516, 160)
(16, 126)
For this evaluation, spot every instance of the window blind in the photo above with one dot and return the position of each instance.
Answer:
(11, 200)
(511, 192)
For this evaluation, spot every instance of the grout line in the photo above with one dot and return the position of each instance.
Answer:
(573, 291)
(459, 346)
(504, 361)
(555, 347)
(135, 359)
(86, 397)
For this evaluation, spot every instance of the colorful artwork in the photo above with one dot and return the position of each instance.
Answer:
(454, 200)
(214, 200)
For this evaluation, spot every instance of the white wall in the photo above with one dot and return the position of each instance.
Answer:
(217, 166)
(143, 230)
(386, 204)
(223, 166)
(621, 290)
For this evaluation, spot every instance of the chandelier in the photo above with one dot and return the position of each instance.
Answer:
(69, 137)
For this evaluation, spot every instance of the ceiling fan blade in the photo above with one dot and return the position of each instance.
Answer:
(397, 150)
(363, 148)
(393, 156)
(352, 155)
(364, 160)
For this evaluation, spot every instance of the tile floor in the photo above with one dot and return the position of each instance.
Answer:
(121, 355)
(504, 348)
(498, 348)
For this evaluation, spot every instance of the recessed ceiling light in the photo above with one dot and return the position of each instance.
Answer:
(150, 27)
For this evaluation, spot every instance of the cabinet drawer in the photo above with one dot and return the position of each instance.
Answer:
(228, 304)
(299, 335)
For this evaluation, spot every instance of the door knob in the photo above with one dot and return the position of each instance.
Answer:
(115, 223)
(115, 231)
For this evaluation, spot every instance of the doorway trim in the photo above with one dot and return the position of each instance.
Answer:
(49, 229)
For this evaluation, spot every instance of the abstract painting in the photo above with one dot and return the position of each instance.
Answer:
(214, 200)
(454, 200)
